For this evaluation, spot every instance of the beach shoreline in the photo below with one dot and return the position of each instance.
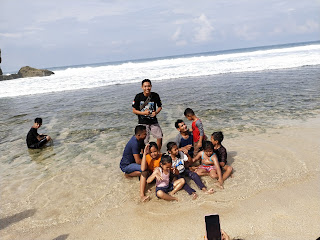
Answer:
(276, 196)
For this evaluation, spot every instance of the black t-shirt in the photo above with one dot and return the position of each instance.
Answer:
(152, 106)
(32, 137)
(221, 154)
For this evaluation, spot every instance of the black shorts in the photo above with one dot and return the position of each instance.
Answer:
(39, 144)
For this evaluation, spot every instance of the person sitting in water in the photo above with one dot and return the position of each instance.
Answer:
(165, 187)
(35, 140)
(150, 160)
(180, 162)
(221, 152)
(209, 163)
(130, 162)
(184, 139)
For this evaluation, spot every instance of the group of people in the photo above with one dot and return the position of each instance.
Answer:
(191, 155)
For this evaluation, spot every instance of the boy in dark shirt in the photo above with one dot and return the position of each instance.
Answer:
(184, 139)
(35, 140)
(221, 151)
(145, 106)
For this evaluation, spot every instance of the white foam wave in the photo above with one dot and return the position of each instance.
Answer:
(168, 68)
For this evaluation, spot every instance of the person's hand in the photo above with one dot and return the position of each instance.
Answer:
(188, 147)
(146, 112)
(184, 150)
(146, 149)
(224, 236)
(153, 114)
(175, 171)
(220, 183)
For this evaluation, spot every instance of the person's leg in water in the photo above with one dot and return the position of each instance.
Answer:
(196, 178)
(143, 184)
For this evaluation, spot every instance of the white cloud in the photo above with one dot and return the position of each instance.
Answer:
(203, 30)
(245, 32)
(177, 34)
(181, 43)
(11, 35)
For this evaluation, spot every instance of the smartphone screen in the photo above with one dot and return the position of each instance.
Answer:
(213, 227)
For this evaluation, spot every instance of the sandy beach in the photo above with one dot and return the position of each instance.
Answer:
(274, 194)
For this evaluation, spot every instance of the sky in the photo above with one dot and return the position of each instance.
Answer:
(44, 34)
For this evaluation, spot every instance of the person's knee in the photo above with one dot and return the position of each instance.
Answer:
(160, 193)
(229, 169)
(182, 181)
(213, 174)
(48, 138)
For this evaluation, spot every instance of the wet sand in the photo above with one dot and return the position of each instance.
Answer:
(274, 194)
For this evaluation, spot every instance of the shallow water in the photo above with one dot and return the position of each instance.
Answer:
(91, 127)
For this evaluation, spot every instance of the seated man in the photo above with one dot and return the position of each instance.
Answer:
(35, 140)
(130, 162)
(184, 139)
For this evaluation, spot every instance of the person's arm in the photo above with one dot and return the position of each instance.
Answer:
(145, 112)
(155, 113)
(137, 158)
(197, 157)
(155, 174)
(200, 127)
(223, 156)
(144, 164)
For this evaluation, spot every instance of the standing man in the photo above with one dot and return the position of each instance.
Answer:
(147, 105)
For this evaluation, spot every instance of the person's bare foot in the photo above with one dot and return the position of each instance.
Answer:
(210, 191)
(145, 198)
(219, 185)
(127, 176)
(194, 196)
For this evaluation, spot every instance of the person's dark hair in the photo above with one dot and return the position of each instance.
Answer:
(165, 158)
(188, 112)
(38, 120)
(139, 129)
(207, 145)
(145, 80)
(176, 124)
(153, 144)
(218, 136)
(170, 145)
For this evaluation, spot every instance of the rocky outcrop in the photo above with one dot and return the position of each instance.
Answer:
(33, 72)
(27, 72)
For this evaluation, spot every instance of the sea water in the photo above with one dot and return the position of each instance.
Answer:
(87, 112)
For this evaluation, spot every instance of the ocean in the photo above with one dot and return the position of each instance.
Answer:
(87, 111)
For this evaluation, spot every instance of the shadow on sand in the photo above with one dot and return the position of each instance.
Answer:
(7, 221)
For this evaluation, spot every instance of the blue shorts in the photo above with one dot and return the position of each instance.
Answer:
(133, 167)
(166, 189)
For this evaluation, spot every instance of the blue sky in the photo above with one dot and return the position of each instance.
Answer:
(45, 34)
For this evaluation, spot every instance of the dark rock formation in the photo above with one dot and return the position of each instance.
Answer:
(27, 72)
(33, 72)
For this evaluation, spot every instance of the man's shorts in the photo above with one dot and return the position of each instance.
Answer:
(133, 167)
(155, 131)
(39, 144)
